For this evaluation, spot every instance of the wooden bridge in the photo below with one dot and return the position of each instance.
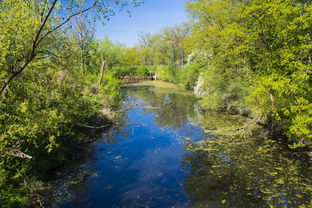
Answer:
(129, 80)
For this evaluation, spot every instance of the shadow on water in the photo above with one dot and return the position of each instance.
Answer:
(145, 161)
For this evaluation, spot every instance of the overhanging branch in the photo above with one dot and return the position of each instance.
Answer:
(65, 21)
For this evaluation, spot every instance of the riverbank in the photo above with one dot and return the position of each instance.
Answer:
(160, 85)
(173, 108)
(71, 167)
(166, 152)
(248, 125)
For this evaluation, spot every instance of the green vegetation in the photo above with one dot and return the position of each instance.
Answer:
(260, 59)
(53, 87)
(249, 58)
(246, 57)
(251, 172)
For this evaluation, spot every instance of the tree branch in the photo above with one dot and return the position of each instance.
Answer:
(32, 52)
(92, 127)
(35, 41)
(65, 21)
(16, 153)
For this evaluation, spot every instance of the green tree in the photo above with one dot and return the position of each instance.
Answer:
(26, 25)
(45, 100)
(260, 51)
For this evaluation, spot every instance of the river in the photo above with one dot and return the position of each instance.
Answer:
(163, 153)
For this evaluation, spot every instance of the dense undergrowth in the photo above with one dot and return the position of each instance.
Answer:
(54, 86)
(45, 117)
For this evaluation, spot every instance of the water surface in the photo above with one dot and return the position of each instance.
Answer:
(163, 154)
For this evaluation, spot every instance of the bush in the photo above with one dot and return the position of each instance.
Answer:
(285, 101)
(38, 119)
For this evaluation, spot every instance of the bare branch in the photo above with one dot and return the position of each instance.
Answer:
(65, 21)
(16, 153)
(92, 127)
(32, 52)
(35, 41)
(102, 73)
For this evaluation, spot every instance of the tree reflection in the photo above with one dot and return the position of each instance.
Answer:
(223, 172)
(171, 109)
(230, 172)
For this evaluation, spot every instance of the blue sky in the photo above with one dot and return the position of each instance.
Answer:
(150, 17)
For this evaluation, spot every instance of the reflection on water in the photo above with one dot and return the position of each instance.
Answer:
(246, 173)
(171, 109)
(145, 162)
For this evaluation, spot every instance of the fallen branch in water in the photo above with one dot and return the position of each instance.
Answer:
(16, 153)
(92, 127)
(249, 124)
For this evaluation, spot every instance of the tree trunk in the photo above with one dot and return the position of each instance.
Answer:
(102, 73)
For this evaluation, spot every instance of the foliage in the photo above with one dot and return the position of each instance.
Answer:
(113, 54)
(110, 90)
(167, 73)
(40, 20)
(37, 119)
(49, 91)
(164, 48)
(188, 74)
(259, 58)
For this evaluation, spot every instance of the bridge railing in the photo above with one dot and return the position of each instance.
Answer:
(129, 80)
